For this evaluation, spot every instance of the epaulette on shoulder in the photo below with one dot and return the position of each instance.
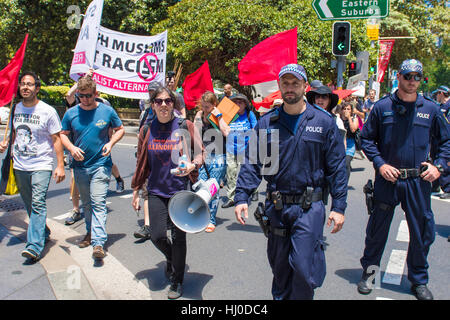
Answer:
(429, 99)
(323, 110)
(273, 115)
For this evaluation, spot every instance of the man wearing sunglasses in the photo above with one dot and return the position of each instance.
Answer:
(88, 125)
(396, 138)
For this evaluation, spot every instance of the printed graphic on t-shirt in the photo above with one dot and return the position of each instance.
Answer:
(25, 145)
(162, 143)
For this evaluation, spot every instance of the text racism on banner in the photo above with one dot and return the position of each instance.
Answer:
(125, 64)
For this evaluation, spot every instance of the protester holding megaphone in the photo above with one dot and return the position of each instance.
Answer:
(161, 145)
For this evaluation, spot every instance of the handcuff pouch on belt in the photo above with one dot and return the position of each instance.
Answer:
(277, 200)
(308, 200)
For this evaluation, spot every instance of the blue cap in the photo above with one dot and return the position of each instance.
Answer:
(295, 69)
(411, 65)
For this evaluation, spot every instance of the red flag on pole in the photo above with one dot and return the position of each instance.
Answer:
(267, 102)
(385, 54)
(9, 76)
(196, 84)
(264, 61)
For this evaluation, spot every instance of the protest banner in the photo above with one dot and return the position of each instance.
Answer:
(84, 52)
(125, 64)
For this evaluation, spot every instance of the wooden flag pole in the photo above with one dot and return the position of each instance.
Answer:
(175, 66)
(177, 77)
(9, 119)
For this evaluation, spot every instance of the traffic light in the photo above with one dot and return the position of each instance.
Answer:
(341, 38)
(352, 68)
(373, 69)
(425, 80)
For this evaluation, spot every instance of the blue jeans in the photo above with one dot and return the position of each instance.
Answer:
(217, 168)
(93, 185)
(33, 186)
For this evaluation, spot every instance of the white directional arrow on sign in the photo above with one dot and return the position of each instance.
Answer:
(325, 9)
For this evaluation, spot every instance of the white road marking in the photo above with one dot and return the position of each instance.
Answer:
(126, 144)
(382, 298)
(126, 196)
(403, 232)
(63, 216)
(395, 267)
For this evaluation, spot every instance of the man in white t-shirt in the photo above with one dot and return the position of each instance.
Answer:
(36, 129)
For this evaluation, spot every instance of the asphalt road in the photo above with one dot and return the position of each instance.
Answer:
(231, 263)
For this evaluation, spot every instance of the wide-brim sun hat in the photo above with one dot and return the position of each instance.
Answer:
(334, 98)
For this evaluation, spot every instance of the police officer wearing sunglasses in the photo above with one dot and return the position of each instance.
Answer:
(396, 138)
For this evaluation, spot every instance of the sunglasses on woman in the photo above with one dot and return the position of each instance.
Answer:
(159, 102)
(417, 77)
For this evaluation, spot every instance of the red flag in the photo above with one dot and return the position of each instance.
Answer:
(343, 93)
(196, 84)
(267, 102)
(385, 54)
(264, 61)
(9, 76)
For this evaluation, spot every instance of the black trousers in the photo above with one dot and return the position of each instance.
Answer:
(173, 249)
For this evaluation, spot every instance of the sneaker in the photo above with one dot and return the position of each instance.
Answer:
(120, 186)
(175, 291)
(421, 292)
(86, 242)
(30, 254)
(76, 216)
(98, 253)
(364, 286)
(143, 233)
(445, 195)
(228, 204)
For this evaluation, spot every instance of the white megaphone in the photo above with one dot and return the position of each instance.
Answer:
(188, 210)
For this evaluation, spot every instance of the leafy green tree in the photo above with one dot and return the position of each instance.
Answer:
(429, 23)
(222, 32)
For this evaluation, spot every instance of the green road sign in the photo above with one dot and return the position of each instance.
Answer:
(350, 9)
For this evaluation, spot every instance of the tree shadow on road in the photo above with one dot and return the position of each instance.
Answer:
(443, 230)
(193, 283)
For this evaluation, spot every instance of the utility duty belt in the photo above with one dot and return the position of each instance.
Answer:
(409, 173)
(304, 199)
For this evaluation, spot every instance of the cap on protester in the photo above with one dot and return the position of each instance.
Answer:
(152, 86)
(411, 65)
(443, 89)
(240, 96)
(316, 84)
(295, 69)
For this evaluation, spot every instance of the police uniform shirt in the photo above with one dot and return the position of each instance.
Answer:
(311, 157)
(399, 133)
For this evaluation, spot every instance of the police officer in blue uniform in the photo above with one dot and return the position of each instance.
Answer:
(311, 156)
(396, 138)
(442, 95)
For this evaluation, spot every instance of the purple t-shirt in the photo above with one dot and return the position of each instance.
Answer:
(160, 146)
